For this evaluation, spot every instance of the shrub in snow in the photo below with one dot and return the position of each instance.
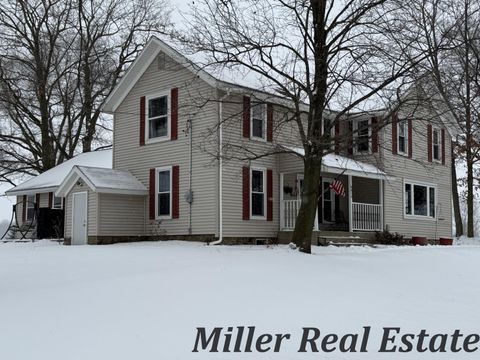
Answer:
(388, 238)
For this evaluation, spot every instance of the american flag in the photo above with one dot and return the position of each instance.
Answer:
(337, 186)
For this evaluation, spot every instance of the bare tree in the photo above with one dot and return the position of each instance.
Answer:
(59, 60)
(321, 55)
(451, 36)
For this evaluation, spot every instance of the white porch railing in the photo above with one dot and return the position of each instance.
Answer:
(289, 213)
(366, 217)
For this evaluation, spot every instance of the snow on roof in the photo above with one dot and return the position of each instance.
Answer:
(340, 164)
(224, 77)
(102, 180)
(51, 179)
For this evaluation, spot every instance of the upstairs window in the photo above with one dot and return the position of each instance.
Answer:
(420, 200)
(57, 202)
(258, 117)
(164, 191)
(402, 137)
(258, 193)
(436, 144)
(30, 207)
(157, 117)
(363, 134)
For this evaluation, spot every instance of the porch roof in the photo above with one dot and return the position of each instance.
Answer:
(337, 164)
(102, 181)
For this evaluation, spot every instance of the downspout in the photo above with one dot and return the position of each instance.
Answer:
(220, 169)
(190, 171)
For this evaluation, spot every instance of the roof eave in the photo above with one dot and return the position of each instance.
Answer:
(30, 191)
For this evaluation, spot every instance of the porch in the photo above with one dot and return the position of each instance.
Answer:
(360, 210)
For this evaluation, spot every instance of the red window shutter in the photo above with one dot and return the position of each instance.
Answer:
(269, 122)
(24, 209)
(394, 134)
(269, 195)
(246, 193)
(50, 200)
(350, 140)
(443, 146)
(337, 135)
(175, 191)
(410, 139)
(174, 114)
(37, 201)
(246, 117)
(374, 134)
(142, 121)
(151, 190)
(429, 142)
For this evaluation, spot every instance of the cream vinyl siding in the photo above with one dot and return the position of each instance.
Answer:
(233, 223)
(418, 170)
(91, 214)
(197, 102)
(121, 215)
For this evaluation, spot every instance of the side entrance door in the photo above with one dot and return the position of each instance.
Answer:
(79, 218)
(328, 202)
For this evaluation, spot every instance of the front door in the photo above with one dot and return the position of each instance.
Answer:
(79, 218)
(328, 202)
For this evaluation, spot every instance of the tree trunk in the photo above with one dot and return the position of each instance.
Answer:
(470, 197)
(456, 202)
(302, 234)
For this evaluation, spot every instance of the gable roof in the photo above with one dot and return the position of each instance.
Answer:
(103, 181)
(51, 179)
(153, 47)
(227, 79)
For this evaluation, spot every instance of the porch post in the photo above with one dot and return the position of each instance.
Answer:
(350, 207)
(315, 225)
(282, 208)
(380, 191)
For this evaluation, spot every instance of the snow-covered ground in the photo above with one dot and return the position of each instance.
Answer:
(145, 300)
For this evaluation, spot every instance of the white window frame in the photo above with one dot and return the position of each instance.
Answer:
(355, 136)
(264, 125)
(53, 202)
(405, 124)
(412, 215)
(439, 144)
(147, 119)
(159, 170)
(264, 172)
(30, 205)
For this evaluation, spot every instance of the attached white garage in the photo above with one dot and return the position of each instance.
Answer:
(103, 206)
